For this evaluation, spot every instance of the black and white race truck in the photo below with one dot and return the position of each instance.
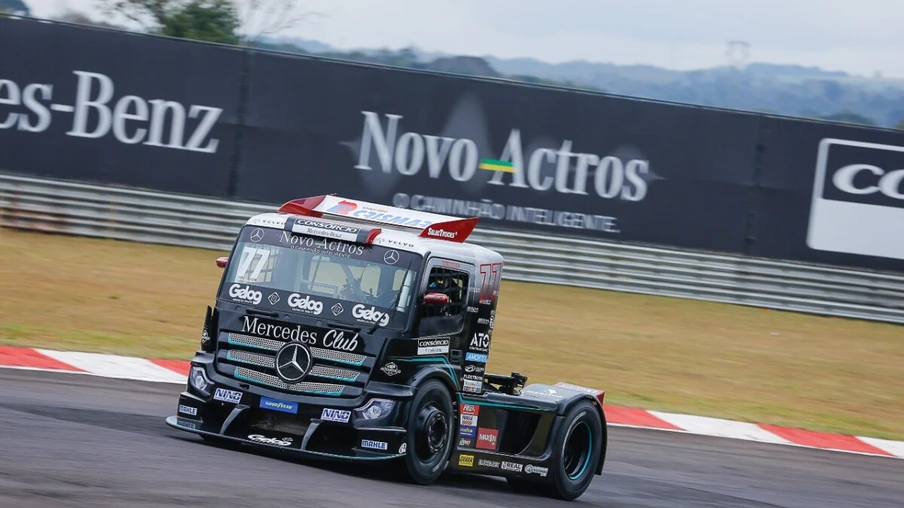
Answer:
(354, 331)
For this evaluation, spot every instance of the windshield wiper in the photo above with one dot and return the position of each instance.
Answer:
(395, 300)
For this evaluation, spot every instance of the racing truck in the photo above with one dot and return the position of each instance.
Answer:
(353, 331)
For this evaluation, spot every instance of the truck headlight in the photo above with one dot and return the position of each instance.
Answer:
(198, 379)
(375, 408)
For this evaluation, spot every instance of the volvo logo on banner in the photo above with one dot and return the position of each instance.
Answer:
(858, 199)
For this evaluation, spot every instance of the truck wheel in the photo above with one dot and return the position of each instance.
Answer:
(576, 452)
(430, 427)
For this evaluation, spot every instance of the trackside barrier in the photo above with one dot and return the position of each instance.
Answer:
(152, 217)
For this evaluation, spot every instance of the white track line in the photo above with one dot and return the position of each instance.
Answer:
(893, 447)
(722, 428)
(113, 366)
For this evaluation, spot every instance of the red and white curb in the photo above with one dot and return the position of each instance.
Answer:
(176, 371)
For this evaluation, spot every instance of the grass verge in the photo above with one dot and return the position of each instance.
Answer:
(727, 361)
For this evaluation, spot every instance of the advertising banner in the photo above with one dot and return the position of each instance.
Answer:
(831, 194)
(102, 106)
(518, 157)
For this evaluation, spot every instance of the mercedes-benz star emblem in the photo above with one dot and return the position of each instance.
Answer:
(391, 257)
(293, 362)
(257, 235)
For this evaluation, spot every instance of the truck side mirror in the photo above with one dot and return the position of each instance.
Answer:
(221, 262)
(437, 299)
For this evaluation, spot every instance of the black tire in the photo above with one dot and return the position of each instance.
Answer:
(577, 446)
(431, 424)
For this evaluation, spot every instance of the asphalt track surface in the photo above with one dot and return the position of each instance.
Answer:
(71, 440)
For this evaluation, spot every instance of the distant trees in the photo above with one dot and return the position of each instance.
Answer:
(848, 116)
(205, 20)
(900, 125)
(17, 7)
(222, 21)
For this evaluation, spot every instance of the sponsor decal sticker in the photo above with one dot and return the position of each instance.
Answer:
(403, 448)
(285, 441)
(441, 233)
(326, 229)
(476, 357)
(257, 234)
(336, 339)
(512, 466)
(470, 409)
(433, 346)
(468, 421)
(472, 386)
(467, 431)
(337, 248)
(391, 369)
(188, 410)
(305, 304)
(475, 370)
(273, 298)
(391, 257)
(245, 294)
(488, 463)
(227, 395)
(532, 469)
(480, 341)
(486, 439)
(367, 314)
(466, 460)
(269, 220)
(465, 442)
(335, 415)
(188, 424)
(279, 405)
(577, 388)
(546, 393)
(262, 328)
(374, 445)
(337, 309)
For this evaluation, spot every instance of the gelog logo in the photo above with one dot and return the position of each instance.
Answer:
(245, 294)
(306, 304)
(858, 199)
(370, 314)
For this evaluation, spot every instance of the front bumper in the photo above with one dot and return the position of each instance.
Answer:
(301, 444)
(306, 425)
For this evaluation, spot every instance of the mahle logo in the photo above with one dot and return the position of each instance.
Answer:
(543, 169)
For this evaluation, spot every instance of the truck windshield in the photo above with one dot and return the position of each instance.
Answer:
(321, 277)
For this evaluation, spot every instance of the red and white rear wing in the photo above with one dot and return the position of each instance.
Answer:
(431, 225)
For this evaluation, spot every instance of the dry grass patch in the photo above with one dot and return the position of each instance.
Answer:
(670, 354)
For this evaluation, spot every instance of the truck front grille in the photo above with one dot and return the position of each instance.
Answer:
(253, 360)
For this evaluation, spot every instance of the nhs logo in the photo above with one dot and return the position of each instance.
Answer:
(858, 199)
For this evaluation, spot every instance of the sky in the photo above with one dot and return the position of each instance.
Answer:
(861, 37)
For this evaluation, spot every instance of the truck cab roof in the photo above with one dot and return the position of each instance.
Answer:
(358, 221)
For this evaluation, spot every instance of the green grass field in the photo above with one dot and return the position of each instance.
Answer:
(837, 375)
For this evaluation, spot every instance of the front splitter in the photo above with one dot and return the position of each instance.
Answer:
(186, 425)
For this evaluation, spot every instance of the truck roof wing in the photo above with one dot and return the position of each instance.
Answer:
(430, 225)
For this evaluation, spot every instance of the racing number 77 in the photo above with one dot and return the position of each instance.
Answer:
(489, 287)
